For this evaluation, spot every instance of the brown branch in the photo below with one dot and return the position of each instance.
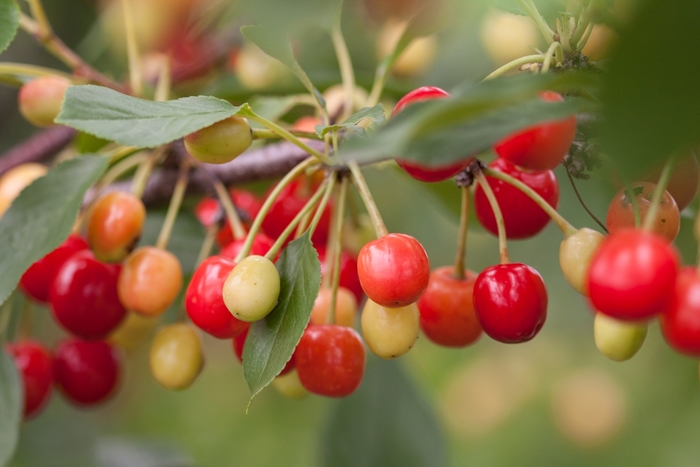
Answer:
(38, 147)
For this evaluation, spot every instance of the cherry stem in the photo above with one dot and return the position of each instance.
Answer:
(165, 80)
(531, 10)
(549, 55)
(324, 202)
(460, 259)
(231, 214)
(308, 207)
(207, 244)
(257, 223)
(385, 66)
(566, 228)
(337, 249)
(362, 188)
(21, 69)
(174, 207)
(580, 200)
(517, 63)
(497, 214)
(132, 49)
(346, 70)
(658, 195)
(261, 133)
(138, 184)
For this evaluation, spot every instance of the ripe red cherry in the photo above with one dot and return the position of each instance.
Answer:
(330, 360)
(680, 323)
(540, 147)
(36, 281)
(522, 216)
(394, 270)
(632, 275)
(247, 203)
(84, 297)
(204, 300)
(209, 212)
(239, 343)
(35, 363)
(511, 302)
(348, 272)
(261, 245)
(446, 309)
(87, 373)
(422, 172)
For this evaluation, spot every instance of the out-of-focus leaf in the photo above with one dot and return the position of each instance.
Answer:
(9, 22)
(11, 406)
(291, 17)
(511, 6)
(274, 107)
(374, 114)
(118, 452)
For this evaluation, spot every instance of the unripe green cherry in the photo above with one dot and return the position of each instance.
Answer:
(40, 99)
(176, 357)
(290, 386)
(221, 142)
(390, 332)
(252, 288)
(618, 340)
(575, 255)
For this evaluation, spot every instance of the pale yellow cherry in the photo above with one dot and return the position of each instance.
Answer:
(575, 255)
(290, 386)
(618, 340)
(133, 330)
(252, 288)
(506, 36)
(176, 357)
(390, 332)
(17, 179)
(345, 307)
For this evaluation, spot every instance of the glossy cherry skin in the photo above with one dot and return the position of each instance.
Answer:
(632, 275)
(239, 343)
(680, 323)
(114, 225)
(330, 360)
(35, 364)
(84, 297)
(540, 147)
(40, 99)
(446, 309)
(261, 245)
(394, 270)
(204, 301)
(522, 217)
(36, 281)
(510, 302)
(348, 272)
(87, 373)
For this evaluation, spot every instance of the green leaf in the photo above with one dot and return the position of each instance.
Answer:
(42, 216)
(386, 422)
(272, 340)
(375, 114)
(511, 6)
(275, 107)
(650, 93)
(11, 407)
(9, 22)
(130, 121)
(291, 17)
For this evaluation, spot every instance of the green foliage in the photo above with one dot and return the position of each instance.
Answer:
(275, 107)
(272, 340)
(9, 22)
(375, 114)
(11, 407)
(42, 216)
(511, 6)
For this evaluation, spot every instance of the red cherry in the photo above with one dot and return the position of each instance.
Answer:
(422, 172)
(446, 308)
(35, 363)
(330, 360)
(209, 211)
(261, 245)
(246, 202)
(239, 343)
(680, 323)
(36, 281)
(522, 216)
(348, 272)
(632, 275)
(511, 302)
(394, 270)
(540, 147)
(204, 300)
(84, 297)
(86, 372)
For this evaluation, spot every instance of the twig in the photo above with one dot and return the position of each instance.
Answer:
(40, 146)
(580, 200)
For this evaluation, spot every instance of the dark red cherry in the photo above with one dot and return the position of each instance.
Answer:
(87, 373)
(239, 343)
(84, 297)
(261, 245)
(35, 364)
(209, 211)
(330, 360)
(522, 216)
(247, 203)
(348, 272)
(680, 323)
(36, 281)
(510, 301)
(632, 276)
(204, 300)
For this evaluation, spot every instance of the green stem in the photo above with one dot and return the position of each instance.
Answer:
(324, 202)
(517, 63)
(549, 54)
(165, 80)
(207, 244)
(21, 69)
(362, 188)
(584, 40)
(460, 259)
(566, 228)
(531, 10)
(259, 133)
(580, 200)
(39, 15)
(231, 214)
(255, 227)
(174, 207)
(498, 215)
(337, 250)
(138, 183)
(653, 211)
(346, 69)
(121, 153)
(384, 68)
(132, 49)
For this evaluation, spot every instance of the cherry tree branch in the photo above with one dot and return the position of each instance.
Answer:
(39, 147)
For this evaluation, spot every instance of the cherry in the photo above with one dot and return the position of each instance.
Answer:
(221, 142)
(87, 373)
(257, 70)
(40, 99)
(84, 298)
(17, 179)
(176, 357)
(252, 288)
(204, 301)
(246, 202)
(348, 272)
(618, 340)
(632, 275)
(345, 308)
(114, 225)
(511, 302)
(209, 211)
(418, 171)
(540, 147)
(239, 343)
(506, 37)
(35, 363)
(150, 281)
(394, 270)
(36, 281)
(133, 331)
(522, 216)
(330, 360)
(390, 332)
(575, 256)
(290, 386)
(680, 322)
(261, 245)
(446, 309)
(621, 211)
